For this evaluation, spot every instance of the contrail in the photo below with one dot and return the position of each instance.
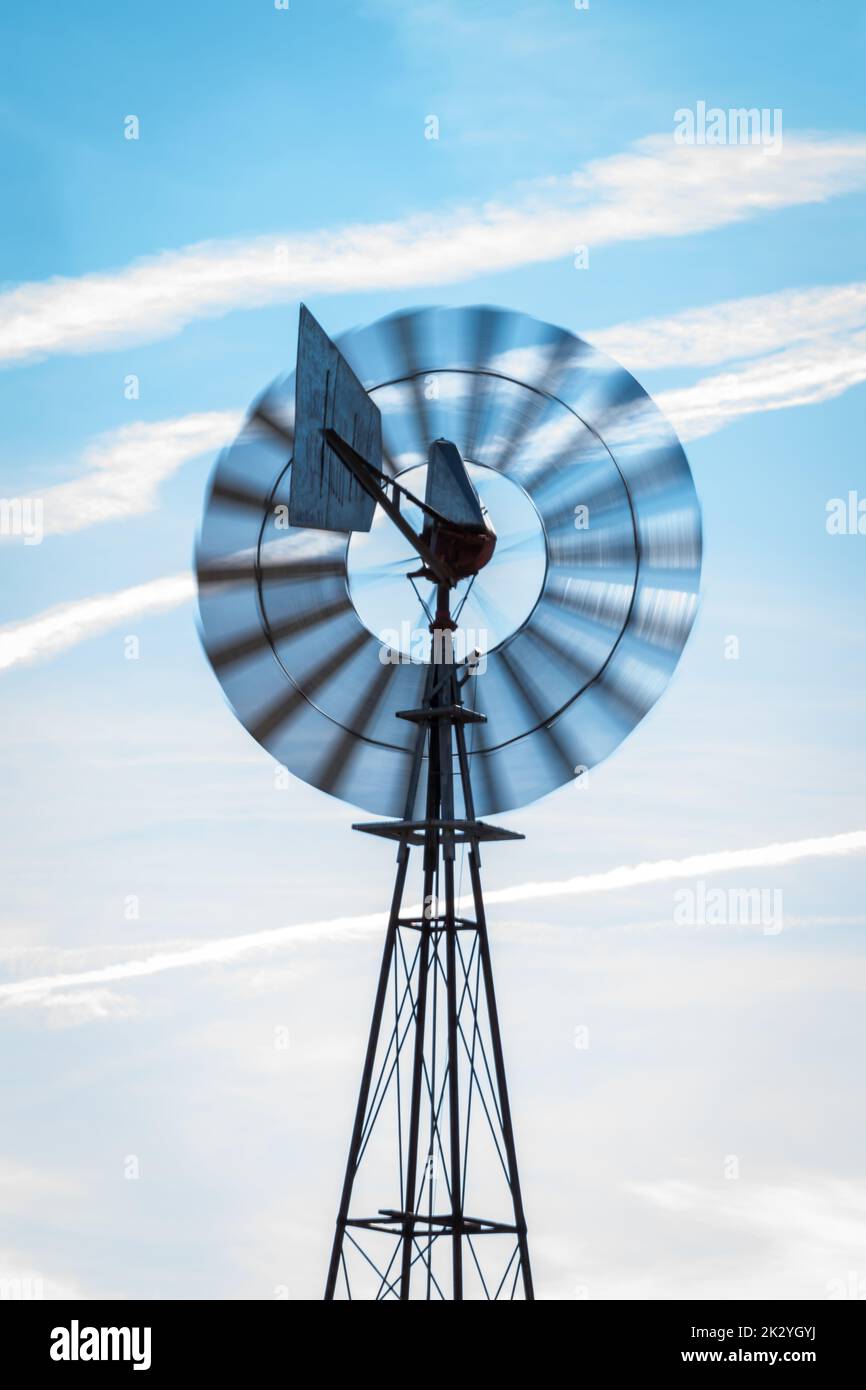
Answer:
(696, 866)
(652, 189)
(804, 347)
(233, 948)
(66, 624)
(732, 328)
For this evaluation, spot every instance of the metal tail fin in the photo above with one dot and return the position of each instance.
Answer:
(323, 493)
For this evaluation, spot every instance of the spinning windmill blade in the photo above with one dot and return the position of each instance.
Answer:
(477, 472)
(602, 588)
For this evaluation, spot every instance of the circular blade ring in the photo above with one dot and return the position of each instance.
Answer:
(620, 527)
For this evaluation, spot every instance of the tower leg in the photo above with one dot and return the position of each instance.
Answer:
(493, 1017)
(501, 1083)
(431, 866)
(367, 1074)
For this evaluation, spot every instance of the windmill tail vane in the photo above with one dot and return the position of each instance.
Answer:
(357, 502)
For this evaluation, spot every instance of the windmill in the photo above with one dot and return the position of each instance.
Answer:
(446, 568)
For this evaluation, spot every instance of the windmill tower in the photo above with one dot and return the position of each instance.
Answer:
(445, 568)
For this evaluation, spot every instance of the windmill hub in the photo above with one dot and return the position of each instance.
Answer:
(489, 606)
(462, 535)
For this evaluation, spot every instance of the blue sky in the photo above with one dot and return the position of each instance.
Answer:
(282, 155)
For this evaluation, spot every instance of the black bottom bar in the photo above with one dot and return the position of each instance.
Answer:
(215, 1340)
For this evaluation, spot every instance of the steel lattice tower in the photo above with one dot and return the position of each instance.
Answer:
(434, 1064)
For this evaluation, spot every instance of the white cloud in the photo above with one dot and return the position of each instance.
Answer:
(66, 624)
(655, 189)
(808, 374)
(805, 375)
(86, 1005)
(227, 950)
(814, 1232)
(223, 951)
(761, 323)
(125, 467)
(695, 866)
(30, 1192)
(23, 1186)
(23, 1278)
(824, 328)
(802, 376)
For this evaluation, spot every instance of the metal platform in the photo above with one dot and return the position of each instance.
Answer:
(417, 832)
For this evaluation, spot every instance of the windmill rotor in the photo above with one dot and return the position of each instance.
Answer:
(582, 606)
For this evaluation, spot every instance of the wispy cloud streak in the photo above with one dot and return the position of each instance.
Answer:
(824, 330)
(124, 468)
(749, 327)
(654, 189)
(807, 375)
(66, 624)
(228, 950)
